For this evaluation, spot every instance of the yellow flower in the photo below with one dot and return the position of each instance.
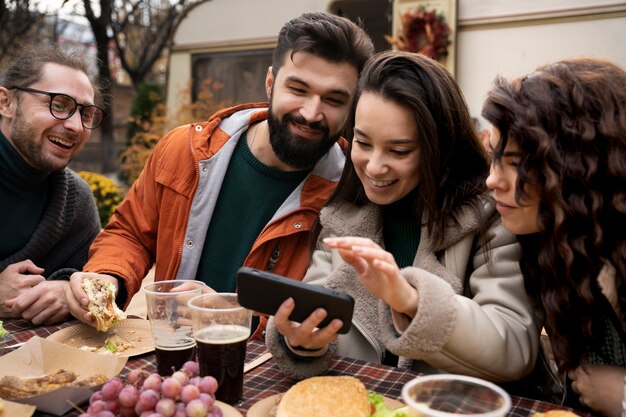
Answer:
(106, 194)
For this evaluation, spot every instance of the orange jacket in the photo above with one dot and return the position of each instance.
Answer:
(166, 213)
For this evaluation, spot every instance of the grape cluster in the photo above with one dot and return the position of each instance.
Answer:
(183, 394)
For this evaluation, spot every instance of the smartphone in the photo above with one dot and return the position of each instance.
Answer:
(264, 292)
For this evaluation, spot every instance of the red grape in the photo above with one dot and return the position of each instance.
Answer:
(191, 368)
(171, 388)
(147, 400)
(96, 406)
(95, 397)
(189, 393)
(166, 406)
(181, 376)
(208, 384)
(153, 381)
(195, 408)
(207, 399)
(136, 377)
(128, 396)
(111, 389)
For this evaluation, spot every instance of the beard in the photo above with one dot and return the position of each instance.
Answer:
(24, 137)
(294, 150)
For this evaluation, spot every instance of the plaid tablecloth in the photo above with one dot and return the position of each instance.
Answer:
(267, 380)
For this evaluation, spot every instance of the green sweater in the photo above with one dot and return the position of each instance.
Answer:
(250, 195)
(401, 229)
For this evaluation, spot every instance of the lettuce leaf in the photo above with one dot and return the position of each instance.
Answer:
(378, 401)
(2, 331)
(110, 347)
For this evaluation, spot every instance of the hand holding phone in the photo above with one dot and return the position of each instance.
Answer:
(264, 292)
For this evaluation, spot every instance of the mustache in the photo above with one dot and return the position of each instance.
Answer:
(301, 121)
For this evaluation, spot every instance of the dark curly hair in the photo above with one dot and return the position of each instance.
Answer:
(569, 121)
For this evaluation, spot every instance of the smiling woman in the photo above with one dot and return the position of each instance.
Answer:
(412, 199)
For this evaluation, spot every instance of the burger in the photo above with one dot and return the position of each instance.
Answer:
(101, 295)
(325, 396)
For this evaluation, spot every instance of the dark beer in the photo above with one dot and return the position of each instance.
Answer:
(221, 353)
(171, 358)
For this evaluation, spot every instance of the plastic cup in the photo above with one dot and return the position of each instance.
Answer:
(448, 395)
(170, 321)
(221, 328)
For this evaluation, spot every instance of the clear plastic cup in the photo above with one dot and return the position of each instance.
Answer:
(221, 328)
(170, 321)
(448, 395)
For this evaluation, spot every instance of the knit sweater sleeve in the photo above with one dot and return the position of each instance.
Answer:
(84, 225)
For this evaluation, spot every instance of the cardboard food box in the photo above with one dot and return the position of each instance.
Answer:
(11, 409)
(39, 357)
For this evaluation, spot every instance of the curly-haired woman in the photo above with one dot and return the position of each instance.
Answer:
(559, 181)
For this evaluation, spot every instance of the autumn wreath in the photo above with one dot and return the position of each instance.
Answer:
(424, 32)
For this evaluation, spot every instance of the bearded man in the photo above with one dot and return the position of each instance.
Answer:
(245, 187)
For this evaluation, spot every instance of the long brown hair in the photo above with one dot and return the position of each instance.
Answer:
(453, 165)
(569, 121)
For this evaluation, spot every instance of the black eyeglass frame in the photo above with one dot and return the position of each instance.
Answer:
(70, 112)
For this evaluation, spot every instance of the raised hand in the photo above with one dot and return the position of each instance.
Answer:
(378, 272)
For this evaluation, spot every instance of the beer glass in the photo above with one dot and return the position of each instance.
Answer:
(221, 328)
(448, 395)
(170, 321)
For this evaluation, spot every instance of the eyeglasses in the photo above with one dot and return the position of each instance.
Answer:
(63, 107)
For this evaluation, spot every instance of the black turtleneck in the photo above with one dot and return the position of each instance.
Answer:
(23, 197)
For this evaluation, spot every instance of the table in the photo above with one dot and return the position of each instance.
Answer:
(267, 379)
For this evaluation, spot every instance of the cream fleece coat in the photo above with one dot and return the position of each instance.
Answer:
(474, 317)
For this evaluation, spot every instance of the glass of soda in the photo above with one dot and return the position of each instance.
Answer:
(170, 321)
(221, 328)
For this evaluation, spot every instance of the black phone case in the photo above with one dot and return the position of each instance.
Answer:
(264, 292)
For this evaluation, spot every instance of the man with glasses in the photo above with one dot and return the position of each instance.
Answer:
(48, 217)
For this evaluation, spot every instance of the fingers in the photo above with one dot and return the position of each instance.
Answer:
(281, 318)
(26, 267)
(348, 242)
(374, 254)
(307, 334)
(44, 303)
(77, 300)
(188, 286)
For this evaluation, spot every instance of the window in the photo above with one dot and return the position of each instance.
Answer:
(242, 74)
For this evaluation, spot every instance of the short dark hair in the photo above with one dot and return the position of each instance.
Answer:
(452, 162)
(27, 68)
(328, 36)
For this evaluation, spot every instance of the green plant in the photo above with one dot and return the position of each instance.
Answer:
(150, 130)
(107, 195)
(149, 95)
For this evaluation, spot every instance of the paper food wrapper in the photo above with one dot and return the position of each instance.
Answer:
(11, 409)
(39, 357)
